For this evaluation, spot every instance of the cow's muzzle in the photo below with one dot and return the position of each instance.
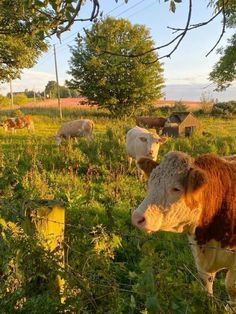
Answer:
(149, 221)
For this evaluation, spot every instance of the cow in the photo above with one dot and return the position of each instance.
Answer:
(11, 124)
(74, 129)
(141, 143)
(156, 123)
(197, 197)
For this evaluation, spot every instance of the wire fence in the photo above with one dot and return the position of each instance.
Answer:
(80, 227)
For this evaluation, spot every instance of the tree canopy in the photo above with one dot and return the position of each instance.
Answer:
(122, 85)
(224, 71)
(51, 91)
(25, 25)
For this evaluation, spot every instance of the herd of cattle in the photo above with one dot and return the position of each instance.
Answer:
(194, 196)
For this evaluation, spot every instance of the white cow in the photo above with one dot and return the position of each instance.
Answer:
(141, 143)
(74, 129)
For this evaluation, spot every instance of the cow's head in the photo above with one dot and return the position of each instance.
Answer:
(173, 201)
(151, 144)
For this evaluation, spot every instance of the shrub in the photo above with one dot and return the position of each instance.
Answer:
(20, 99)
(4, 101)
(224, 109)
(179, 106)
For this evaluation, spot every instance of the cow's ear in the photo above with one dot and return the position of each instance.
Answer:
(196, 180)
(147, 165)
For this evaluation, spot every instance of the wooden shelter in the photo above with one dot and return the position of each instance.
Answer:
(181, 124)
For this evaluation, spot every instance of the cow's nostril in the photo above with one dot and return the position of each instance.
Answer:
(140, 221)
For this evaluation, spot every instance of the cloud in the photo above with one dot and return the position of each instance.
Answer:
(32, 80)
(195, 91)
(186, 87)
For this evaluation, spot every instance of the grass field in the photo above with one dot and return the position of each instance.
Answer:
(110, 266)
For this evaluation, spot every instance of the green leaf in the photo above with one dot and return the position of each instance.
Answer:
(172, 6)
(3, 223)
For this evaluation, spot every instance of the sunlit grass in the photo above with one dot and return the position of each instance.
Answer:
(99, 193)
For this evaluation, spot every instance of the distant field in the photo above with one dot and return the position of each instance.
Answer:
(191, 105)
(77, 102)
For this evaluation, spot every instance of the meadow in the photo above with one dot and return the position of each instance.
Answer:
(110, 266)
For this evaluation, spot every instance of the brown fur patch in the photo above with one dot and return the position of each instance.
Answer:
(218, 219)
(18, 122)
(147, 165)
(151, 122)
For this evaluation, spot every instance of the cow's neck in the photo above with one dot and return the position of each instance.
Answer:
(218, 218)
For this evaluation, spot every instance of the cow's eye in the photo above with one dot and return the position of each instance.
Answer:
(176, 190)
(143, 139)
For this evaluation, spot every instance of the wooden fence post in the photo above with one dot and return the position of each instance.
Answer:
(47, 217)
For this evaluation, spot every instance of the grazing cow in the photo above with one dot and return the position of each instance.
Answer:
(197, 197)
(74, 129)
(141, 143)
(11, 124)
(151, 122)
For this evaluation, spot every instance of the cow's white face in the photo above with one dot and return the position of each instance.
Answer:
(149, 144)
(173, 189)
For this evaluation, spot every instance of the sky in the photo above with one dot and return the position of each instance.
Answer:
(186, 72)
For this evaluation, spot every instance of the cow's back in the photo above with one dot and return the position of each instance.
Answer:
(76, 127)
(151, 122)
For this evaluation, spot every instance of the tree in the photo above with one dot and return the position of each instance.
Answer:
(51, 90)
(224, 71)
(20, 46)
(24, 27)
(119, 84)
(207, 102)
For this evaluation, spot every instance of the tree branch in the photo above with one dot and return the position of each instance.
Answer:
(94, 14)
(180, 37)
(222, 31)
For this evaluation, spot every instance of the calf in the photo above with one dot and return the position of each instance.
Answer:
(74, 129)
(11, 124)
(197, 197)
(141, 143)
(151, 122)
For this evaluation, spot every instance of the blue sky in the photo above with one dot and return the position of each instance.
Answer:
(186, 73)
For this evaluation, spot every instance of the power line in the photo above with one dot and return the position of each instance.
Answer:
(112, 10)
(133, 6)
(143, 9)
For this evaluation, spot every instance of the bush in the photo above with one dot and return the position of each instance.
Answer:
(224, 109)
(179, 106)
(4, 101)
(20, 99)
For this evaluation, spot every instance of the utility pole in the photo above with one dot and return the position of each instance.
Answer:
(34, 95)
(58, 90)
(11, 93)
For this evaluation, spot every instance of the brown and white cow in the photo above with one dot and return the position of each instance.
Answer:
(198, 197)
(151, 122)
(11, 124)
(141, 143)
(74, 129)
